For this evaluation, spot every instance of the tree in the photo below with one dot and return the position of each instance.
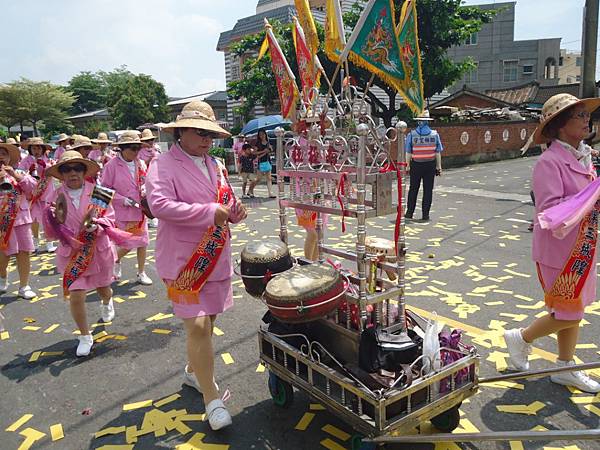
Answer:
(442, 24)
(91, 91)
(136, 99)
(35, 102)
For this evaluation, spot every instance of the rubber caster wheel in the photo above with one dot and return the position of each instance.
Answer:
(281, 391)
(448, 421)
(358, 444)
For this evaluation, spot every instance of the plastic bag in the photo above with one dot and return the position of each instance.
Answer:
(432, 360)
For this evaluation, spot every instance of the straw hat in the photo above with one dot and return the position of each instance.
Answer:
(102, 139)
(199, 115)
(72, 156)
(556, 105)
(12, 141)
(81, 141)
(128, 137)
(35, 141)
(13, 153)
(62, 137)
(147, 135)
(424, 116)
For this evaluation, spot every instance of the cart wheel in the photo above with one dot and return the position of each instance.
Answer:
(448, 421)
(281, 391)
(358, 444)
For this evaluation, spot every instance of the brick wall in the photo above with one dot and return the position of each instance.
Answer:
(473, 142)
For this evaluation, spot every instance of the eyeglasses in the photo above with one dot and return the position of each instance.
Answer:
(66, 168)
(204, 133)
(581, 115)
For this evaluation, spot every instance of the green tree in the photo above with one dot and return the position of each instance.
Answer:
(91, 91)
(136, 100)
(442, 24)
(36, 102)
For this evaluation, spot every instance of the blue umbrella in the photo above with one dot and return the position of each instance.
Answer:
(264, 123)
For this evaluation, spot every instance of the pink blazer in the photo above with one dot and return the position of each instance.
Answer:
(73, 222)
(58, 152)
(26, 164)
(184, 201)
(26, 187)
(115, 175)
(98, 156)
(147, 154)
(557, 176)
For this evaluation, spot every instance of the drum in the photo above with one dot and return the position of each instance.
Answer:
(383, 248)
(146, 208)
(305, 293)
(260, 260)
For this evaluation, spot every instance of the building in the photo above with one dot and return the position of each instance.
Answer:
(501, 62)
(216, 99)
(81, 121)
(569, 67)
(280, 10)
(532, 95)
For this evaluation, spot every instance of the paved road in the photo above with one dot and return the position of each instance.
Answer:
(471, 265)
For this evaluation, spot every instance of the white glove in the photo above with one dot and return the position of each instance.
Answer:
(129, 202)
(93, 227)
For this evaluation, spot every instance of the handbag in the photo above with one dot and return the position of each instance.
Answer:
(264, 166)
(379, 349)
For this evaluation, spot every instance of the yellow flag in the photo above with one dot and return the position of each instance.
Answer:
(263, 49)
(308, 25)
(335, 37)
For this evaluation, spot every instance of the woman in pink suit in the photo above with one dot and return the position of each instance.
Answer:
(189, 192)
(63, 141)
(149, 149)
(102, 153)
(126, 174)
(36, 164)
(85, 255)
(15, 230)
(562, 171)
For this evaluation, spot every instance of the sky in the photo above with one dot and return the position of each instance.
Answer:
(175, 41)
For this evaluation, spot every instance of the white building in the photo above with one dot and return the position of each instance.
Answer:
(569, 67)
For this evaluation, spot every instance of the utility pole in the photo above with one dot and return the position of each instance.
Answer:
(589, 46)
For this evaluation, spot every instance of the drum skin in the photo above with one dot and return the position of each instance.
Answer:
(259, 258)
(307, 291)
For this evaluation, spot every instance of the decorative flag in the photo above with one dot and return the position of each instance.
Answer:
(307, 67)
(286, 81)
(374, 46)
(408, 36)
(335, 37)
(308, 25)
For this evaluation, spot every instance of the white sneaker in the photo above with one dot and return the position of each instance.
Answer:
(578, 379)
(218, 416)
(144, 279)
(26, 293)
(117, 270)
(107, 311)
(3, 285)
(50, 247)
(36, 246)
(189, 379)
(153, 223)
(518, 349)
(85, 345)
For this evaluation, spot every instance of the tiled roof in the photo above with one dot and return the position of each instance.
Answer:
(545, 92)
(255, 23)
(516, 95)
(467, 91)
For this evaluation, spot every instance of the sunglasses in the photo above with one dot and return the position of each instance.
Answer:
(204, 133)
(581, 115)
(134, 147)
(64, 169)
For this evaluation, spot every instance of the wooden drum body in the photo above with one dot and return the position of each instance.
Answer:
(384, 249)
(305, 293)
(261, 260)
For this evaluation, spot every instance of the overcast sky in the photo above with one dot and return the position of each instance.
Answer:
(175, 40)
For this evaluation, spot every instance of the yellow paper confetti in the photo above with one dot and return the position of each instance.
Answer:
(137, 405)
(331, 445)
(336, 432)
(35, 356)
(227, 358)
(305, 421)
(217, 331)
(31, 328)
(109, 430)
(161, 331)
(531, 409)
(51, 328)
(17, 424)
(4, 335)
(164, 401)
(316, 407)
(31, 435)
(56, 431)
(260, 368)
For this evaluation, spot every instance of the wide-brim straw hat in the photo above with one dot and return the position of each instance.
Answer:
(128, 137)
(35, 141)
(424, 116)
(147, 135)
(199, 115)
(73, 156)
(62, 137)
(101, 139)
(81, 141)
(556, 105)
(13, 153)
(12, 141)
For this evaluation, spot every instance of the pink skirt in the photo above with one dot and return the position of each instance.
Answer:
(21, 240)
(102, 270)
(122, 225)
(588, 292)
(214, 298)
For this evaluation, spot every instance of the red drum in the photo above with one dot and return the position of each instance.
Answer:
(261, 260)
(305, 293)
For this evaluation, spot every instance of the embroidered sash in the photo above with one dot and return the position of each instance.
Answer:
(42, 184)
(565, 294)
(9, 208)
(82, 257)
(137, 228)
(195, 273)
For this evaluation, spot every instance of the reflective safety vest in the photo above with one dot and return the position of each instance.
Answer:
(424, 147)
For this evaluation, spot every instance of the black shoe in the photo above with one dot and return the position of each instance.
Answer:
(408, 216)
(425, 219)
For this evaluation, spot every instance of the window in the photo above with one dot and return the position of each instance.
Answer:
(528, 69)
(472, 39)
(235, 71)
(473, 75)
(561, 61)
(578, 61)
(578, 78)
(510, 72)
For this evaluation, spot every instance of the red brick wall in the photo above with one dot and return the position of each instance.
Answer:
(474, 148)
